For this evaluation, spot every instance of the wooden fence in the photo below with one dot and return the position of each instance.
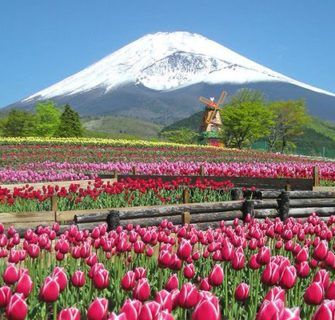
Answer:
(271, 204)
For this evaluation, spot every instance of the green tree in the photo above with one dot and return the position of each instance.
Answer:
(19, 123)
(245, 119)
(47, 119)
(183, 135)
(290, 118)
(70, 125)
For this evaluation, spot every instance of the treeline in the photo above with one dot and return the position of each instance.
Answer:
(249, 117)
(46, 120)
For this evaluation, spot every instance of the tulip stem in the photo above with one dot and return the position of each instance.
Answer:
(55, 311)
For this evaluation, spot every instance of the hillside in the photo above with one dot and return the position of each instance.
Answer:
(119, 127)
(318, 138)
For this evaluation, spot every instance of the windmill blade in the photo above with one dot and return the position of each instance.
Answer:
(205, 101)
(221, 99)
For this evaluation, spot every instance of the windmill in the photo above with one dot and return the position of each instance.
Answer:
(211, 121)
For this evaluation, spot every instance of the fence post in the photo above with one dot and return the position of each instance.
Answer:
(133, 170)
(54, 206)
(284, 205)
(236, 194)
(202, 170)
(115, 175)
(113, 219)
(288, 187)
(186, 217)
(248, 207)
(316, 176)
(186, 196)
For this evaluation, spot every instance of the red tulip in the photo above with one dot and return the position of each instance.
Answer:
(98, 309)
(314, 294)
(140, 272)
(69, 314)
(271, 274)
(330, 291)
(78, 279)
(184, 249)
(322, 276)
(204, 285)
(150, 311)
(164, 298)
(276, 293)
(132, 309)
(189, 271)
(164, 315)
(325, 311)
(50, 290)
(264, 255)
(172, 283)
(302, 255)
(17, 308)
(33, 250)
(270, 309)
(10, 275)
(288, 277)
(321, 250)
(253, 264)
(142, 290)
(188, 296)
(60, 276)
(242, 292)
(303, 269)
(24, 285)
(5, 294)
(216, 276)
(128, 281)
(206, 309)
(290, 314)
(101, 279)
(238, 260)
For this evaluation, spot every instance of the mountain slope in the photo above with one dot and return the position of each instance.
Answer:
(160, 76)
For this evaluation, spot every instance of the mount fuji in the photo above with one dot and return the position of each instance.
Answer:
(160, 76)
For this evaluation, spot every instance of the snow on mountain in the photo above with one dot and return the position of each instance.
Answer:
(165, 62)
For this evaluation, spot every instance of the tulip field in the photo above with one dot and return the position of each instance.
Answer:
(251, 270)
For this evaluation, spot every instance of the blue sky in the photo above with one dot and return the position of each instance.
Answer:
(43, 41)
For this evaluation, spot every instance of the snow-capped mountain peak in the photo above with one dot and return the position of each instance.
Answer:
(167, 61)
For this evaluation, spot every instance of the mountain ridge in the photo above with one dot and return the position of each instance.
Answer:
(153, 75)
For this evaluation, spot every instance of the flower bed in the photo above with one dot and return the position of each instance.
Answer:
(99, 194)
(254, 270)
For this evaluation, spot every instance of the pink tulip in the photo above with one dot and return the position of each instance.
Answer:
(24, 285)
(188, 296)
(132, 309)
(288, 277)
(321, 250)
(172, 283)
(216, 276)
(10, 275)
(150, 311)
(184, 249)
(69, 314)
(78, 279)
(101, 279)
(17, 308)
(5, 295)
(128, 281)
(142, 290)
(242, 292)
(98, 309)
(314, 294)
(206, 309)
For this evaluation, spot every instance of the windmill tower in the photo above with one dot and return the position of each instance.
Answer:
(211, 124)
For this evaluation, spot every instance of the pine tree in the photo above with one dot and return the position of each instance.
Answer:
(70, 125)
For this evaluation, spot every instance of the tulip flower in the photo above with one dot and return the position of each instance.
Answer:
(184, 249)
(24, 285)
(206, 309)
(114, 316)
(270, 309)
(188, 296)
(216, 276)
(50, 290)
(98, 309)
(314, 293)
(132, 309)
(242, 292)
(128, 281)
(321, 250)
(69, 314)
(172, 283)
(140, 272)
(288, 277)
(164, 315)
(164, 298)
(61, 277)
(101, 279)
(17, 308)
(189, 271)
(325, 311)
(5, 295)
(322, 276)
(10, 275)
(263, 256)
(142, 290)
(290, 314)
(78, 279)
(150, 311)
